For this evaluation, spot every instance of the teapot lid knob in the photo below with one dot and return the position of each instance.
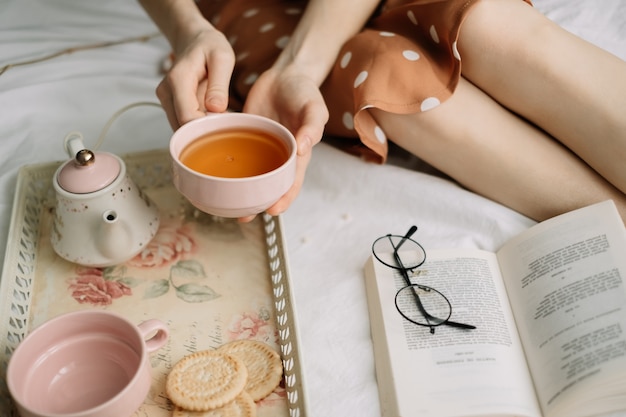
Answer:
(85, 157)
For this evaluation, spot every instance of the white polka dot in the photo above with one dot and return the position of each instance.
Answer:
(348, 121)
(216, 19)
(250, 12)
(232, 40)
(430, 103)
(345, 59)
(433, 34)
(293, 11)
(410, 55)
(360, 79)
(250, 79)
(267, 27)
(242, 55)
(282, 41)
(380, 135)
(455, 51)
(387, 34)
(412, 17)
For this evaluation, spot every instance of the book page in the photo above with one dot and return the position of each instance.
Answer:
(452, 372)
(565, 280)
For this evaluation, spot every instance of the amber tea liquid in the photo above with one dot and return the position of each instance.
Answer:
(235, 153)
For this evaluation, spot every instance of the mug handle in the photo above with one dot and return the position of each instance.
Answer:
(158, 331)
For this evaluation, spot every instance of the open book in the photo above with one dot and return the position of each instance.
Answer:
(550, 314)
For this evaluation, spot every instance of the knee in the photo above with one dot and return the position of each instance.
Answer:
(501, 27)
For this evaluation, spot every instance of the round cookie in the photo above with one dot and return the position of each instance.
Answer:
(205, 380)
(265, 368)
(242, 406)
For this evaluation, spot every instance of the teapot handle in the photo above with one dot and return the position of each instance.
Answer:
(74, 143)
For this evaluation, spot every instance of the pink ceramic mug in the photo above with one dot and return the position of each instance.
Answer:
(84, 364)
(238, 195)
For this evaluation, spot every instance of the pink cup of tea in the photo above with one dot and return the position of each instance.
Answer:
(233, 164)
(84, 364)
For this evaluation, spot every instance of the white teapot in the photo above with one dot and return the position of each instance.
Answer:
(101, 217)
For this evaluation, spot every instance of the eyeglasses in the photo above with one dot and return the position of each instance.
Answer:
(417, 303)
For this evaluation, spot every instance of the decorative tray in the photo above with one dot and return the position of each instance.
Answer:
(210, 279)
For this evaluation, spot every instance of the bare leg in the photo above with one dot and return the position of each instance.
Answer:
(519, 62)
(497, 154)
(568, 87)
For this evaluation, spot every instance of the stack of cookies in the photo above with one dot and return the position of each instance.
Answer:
(224, 382)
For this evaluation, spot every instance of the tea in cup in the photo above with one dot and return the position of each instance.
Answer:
(233, 164)
(88, 363)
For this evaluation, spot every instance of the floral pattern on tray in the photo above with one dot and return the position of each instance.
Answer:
(212, 280)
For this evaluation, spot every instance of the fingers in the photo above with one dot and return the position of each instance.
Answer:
(285, 201)
(315, 119)
(177, 92)
(198, 80)
(309, 135)
(247, 219)
(164, 95)
(220, 69)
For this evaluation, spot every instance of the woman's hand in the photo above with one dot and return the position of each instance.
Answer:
(289, 91)
(289, 96)
(199, 78)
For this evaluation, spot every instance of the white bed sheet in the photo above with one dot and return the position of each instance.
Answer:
(345, 203)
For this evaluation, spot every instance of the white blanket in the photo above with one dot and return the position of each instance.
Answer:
(345, 203)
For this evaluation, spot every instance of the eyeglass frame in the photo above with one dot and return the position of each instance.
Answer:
(409, 284)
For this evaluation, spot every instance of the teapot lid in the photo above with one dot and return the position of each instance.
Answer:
(88, 172)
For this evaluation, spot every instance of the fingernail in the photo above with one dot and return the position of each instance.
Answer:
(216, 103)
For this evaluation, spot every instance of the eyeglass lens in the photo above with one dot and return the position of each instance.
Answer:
(411, 253)
(432, 307)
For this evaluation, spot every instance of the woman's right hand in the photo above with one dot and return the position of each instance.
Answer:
(199, 78)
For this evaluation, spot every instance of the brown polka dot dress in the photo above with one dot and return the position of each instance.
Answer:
(404, 61)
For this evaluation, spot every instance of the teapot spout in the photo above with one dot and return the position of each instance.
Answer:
(114, 240)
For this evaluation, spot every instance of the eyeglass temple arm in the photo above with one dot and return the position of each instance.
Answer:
(407, 235)
(405, 275)
(407, 280)
(460, 325)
